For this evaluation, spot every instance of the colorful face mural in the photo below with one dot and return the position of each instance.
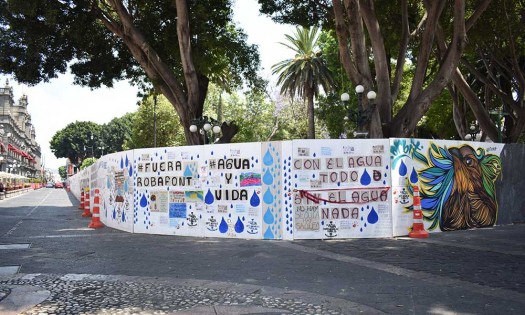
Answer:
(457, 182)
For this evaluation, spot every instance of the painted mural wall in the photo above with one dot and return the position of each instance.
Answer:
(300, 189)
(456, 180)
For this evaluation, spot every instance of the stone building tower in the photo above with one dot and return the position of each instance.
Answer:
(20, 154)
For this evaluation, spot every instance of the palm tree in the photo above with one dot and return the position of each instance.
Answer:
(303, 74)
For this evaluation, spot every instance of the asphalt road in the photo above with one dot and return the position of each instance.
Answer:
(50, 258)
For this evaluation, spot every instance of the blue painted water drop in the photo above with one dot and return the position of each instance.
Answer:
(121, 163)
(123, 216)
(255, 200)
(402, 168)
(143, 201)
(268, 178)
(239, 226)
(372, 217)
(268, 197)
(187, 172)
(223, 227)
(209, 198)
(114, 214)
(413, 176)
(127, 160)
(365, 178)
(268, 235)
(268, 217)
(130, 171)
(268, 158)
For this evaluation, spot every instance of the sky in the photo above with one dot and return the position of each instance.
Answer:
(56, 104)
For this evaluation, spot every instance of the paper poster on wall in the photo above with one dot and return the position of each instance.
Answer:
(168, 200)
(341, 188)
(232, 186)
(456, 180)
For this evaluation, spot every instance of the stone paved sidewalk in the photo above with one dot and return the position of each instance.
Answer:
(92, 294)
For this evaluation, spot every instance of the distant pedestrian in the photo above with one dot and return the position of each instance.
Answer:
(2, 187)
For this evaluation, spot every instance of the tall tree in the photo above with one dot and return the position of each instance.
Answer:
(174, 45)
(76, 141)
(372, 33)
(306, 72)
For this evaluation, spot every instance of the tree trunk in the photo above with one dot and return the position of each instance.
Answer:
(194, 106)
(310, 112)
(188, 105)
(421, 98)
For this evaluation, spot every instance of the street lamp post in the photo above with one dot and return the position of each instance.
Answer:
(155, 120)
(361, 116)
(474, 130)
(499, 114)
(206, 126)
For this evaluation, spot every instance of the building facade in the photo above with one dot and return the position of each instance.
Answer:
(20, 154)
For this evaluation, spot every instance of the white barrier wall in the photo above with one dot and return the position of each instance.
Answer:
(112, 181)
(342, 189)
(300, 189)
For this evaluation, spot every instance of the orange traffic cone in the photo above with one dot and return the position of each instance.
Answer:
(87, 205)
(95, 219)
(81, 205)
(418, 229)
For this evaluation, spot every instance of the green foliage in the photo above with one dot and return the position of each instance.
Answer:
(259, 117)
(307, 70)
(438, 122)
(333, 113)
(169, 133)
(62, 172)
(297, 12)
(115, 134)
(75, 141)
(253, 114)
(88, 162)
(292, 119)
(40, 38)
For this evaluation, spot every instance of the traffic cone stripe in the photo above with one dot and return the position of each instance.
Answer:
(418, 227)
(95, 218)
(81, 206)
(87, 205)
